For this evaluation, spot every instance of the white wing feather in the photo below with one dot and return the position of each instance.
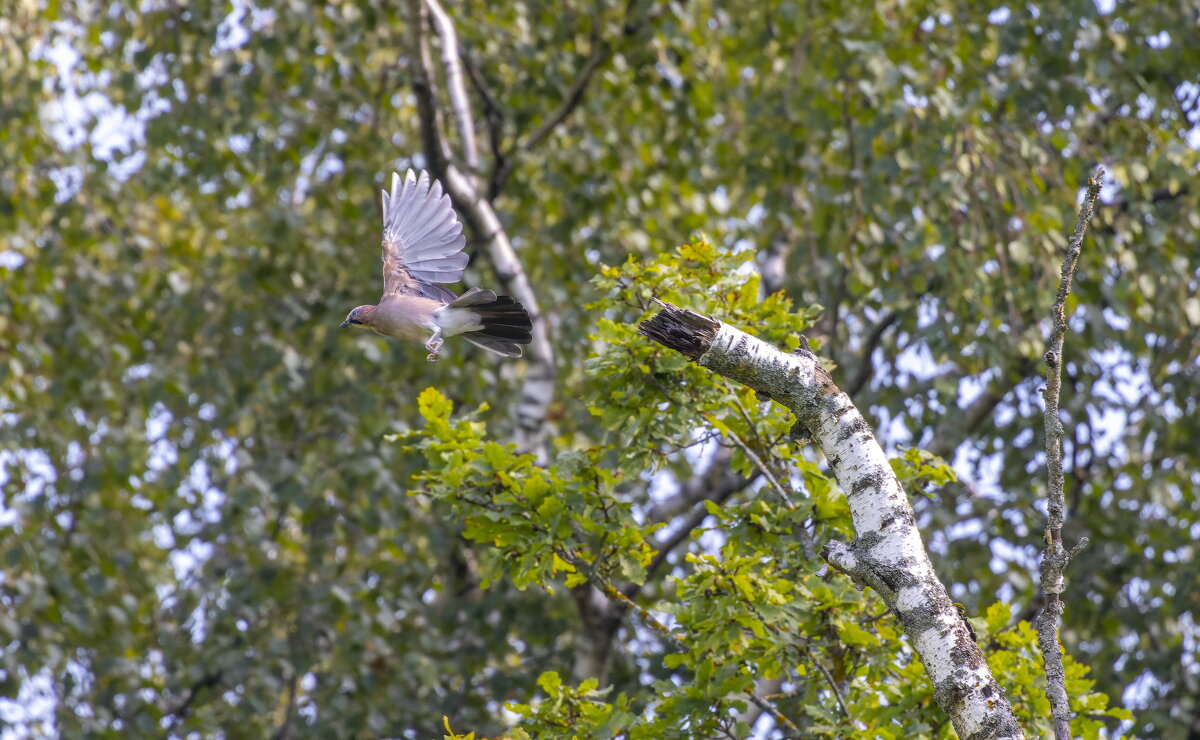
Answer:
(422, 236)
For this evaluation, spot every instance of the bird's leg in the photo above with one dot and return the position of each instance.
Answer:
(434, 345)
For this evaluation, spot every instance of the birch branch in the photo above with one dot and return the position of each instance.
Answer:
(887, 552)
(1055, 558)
(476, 210)
(538, 389)
(460, 104)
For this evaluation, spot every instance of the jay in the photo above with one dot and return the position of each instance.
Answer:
(422, 248)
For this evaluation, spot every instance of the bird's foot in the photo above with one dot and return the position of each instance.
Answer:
(434, 345)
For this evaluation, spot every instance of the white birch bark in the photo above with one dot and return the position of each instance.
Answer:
(537, 391)
(455, 88)
(887, 553)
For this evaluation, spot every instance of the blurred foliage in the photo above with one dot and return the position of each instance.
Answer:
(203, 526)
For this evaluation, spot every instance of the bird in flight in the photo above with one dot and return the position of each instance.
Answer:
(422, 247)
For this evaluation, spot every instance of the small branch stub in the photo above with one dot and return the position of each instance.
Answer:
(686, 332)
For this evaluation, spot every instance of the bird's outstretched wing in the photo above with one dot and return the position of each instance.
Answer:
(422, 238)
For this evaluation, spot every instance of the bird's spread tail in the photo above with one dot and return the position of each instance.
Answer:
(506, 325)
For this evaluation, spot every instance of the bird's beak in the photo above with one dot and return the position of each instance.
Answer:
(344, 324)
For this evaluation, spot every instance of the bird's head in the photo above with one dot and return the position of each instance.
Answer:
(360, 317)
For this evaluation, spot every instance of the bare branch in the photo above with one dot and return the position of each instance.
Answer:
(681, 532)
(1053, 356)
(494, 116)
(600, 53)
(574, 96)
(717, 481)
(1055, 558)
(758, 463)
(837, 693)
(460, 104)
(181, 710)
(764, 687)
(872, 341)
(491, 106)
(957, 427)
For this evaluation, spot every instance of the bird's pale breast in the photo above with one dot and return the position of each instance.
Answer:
(406, 317)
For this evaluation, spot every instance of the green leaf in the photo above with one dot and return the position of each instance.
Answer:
(433, 406)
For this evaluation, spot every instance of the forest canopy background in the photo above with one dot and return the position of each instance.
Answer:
(203, 525)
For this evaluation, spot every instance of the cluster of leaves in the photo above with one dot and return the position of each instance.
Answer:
(1015, 660)
(650, 398)
(745, 612)
(917, 469)
(543, 523)
(581, 712)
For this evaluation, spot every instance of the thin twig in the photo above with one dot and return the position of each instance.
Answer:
(180, 711)
(574, 96)
(1055, 558)
(837, 693)
(601, 51)
(709, 484)
(491, 105)
(1053, 357)
(758, 463)
(865, 365)
(494, 116)
(742, 410)
(681, 533)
